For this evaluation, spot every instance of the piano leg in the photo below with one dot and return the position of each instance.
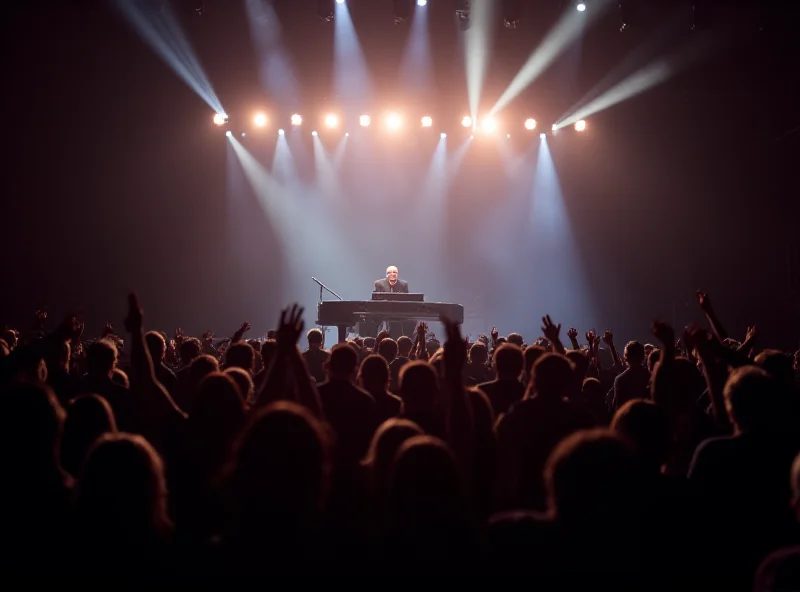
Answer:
(342, 333)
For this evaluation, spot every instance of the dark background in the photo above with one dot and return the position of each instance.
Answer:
(115, 180)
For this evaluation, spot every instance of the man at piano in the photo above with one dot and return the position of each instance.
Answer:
(391, 283)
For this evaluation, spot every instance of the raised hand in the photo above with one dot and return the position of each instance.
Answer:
(108, 329)
(704, 301)
(550, 329)
(664, 333)
(752, 332)
(241, 331)
(290, 327)
(608, 338)
(591, 337)
(455, 348)
(207, 337)
(133, 320)
(572, 333)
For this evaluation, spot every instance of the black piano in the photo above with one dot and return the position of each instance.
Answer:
(348, 313)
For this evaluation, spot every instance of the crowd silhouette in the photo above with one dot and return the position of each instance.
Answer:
(670, 466)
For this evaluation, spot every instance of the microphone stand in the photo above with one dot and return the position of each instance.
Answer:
(324, 287)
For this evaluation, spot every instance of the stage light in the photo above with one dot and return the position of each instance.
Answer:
(325, 10)
(581, 7)
(402, 11)
(427, 121)
(511, 9)
(489, 125)
(314, 133)
(244, 134)
(331, 120)
(220, 119)
(365, 120)
(530, 124)
(393, 121)
(422, 2)
(508, 136)
(542, 136)
(463, 14)
(297, 120)
(443, 135)
(347, 134)
(467, 121)
(580, 125)
(339, 1)
(229, 133)
(281, 132)
(554, 127)
(260, 120)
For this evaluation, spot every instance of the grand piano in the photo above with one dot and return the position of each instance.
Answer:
(348, 313)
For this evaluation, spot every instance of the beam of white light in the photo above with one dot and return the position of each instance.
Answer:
(554, 249)
(272, 195)
(338, 156)
(652, 75)
(327, 176)
(569, 27)
(282, 162)
(422, 2)
(416, 67)
(275, 67)
(630, 87)
(350, 74)
(158, 26)
(477, 44)
(672, 30)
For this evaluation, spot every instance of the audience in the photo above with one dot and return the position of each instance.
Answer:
(686, 475)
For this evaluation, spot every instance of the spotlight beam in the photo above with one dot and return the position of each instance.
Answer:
(650, 76)
(477, 44)
(161, 30)
(569, 27)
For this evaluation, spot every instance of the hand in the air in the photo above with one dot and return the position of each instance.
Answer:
(290, 327)
(550, 329)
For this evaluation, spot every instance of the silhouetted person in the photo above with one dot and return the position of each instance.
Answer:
(34, 506)
(215, 422)
(404, 345)
(388, 438)
(420, 392)
(201, 366)
(158, 350)
(476, 370)
(530, 431)
(315, 356)
(101, 360)
(278, 488)
(88, 418)
(350, 410)
(506, 389)
(428, 521)
(244, 382)
(240, 355)
(121, 510)
(744, 477)
(373, 377)
(634, 382)
(589, 536)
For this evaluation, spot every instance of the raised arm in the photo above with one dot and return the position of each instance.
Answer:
(288, 376)
(158, 406)
(704, 301)
(551, 331)
(608, 338)
(458, 410)
(572, 333)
